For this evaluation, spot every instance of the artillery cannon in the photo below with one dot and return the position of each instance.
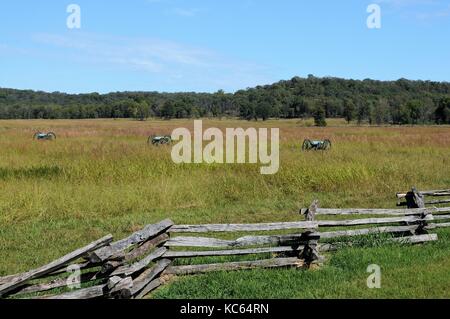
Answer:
(159, 140)
(50, 136)
(316, 145)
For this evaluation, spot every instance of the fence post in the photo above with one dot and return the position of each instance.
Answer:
(310, 253)
(310, 213)
(423, 223)
(414, 199)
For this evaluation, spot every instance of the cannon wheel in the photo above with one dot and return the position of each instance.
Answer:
(166, 140)
(51, 136)
(326, 145)
(36, 135)
(307, 145)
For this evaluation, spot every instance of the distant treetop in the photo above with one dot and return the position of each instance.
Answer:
(371, 101)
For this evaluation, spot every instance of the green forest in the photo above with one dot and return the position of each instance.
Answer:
(364, 101)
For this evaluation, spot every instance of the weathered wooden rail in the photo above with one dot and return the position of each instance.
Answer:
(135, 266)
(416, 199)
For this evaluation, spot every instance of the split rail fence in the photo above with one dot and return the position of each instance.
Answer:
(416, 199)
(135, 266)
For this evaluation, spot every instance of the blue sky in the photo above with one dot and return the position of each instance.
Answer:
(199, 45)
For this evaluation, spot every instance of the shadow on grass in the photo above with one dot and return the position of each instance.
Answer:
(30, 172)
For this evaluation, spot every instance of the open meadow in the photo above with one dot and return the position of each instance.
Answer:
(101, 176)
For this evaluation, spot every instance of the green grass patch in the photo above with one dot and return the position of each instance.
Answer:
(101, 176)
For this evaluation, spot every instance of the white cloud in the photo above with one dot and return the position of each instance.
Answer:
(144, 65)
(186, 12)
(417, 9)
(172, 9)
(166, 60)
(127, 50)
(436, 14)
(407, 3)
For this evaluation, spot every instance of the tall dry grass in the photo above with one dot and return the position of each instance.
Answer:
(100, 176)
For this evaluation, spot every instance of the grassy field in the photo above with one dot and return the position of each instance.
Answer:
(101, 177)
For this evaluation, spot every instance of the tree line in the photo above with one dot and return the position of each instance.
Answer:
(364, 101)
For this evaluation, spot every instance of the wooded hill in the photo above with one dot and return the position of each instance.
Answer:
(376, 102)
